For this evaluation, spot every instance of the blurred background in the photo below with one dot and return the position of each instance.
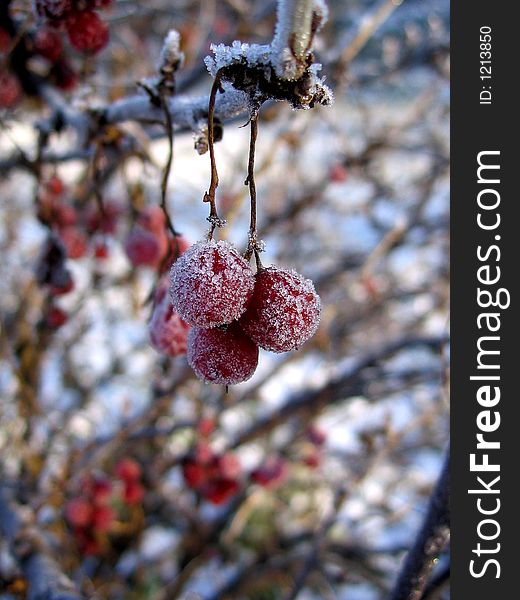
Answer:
(311, 479)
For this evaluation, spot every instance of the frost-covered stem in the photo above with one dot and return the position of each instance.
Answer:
(293, 36)
(209, 196)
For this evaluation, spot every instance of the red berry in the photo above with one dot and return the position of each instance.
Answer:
(284, 311)
(220, 490)
(204, 454)
(5, 41)
(87, 32)
(211, 284)
(10, 90)
(53, 9)
(229, 466)
(74, 241)
(338, 173)
(65, 78)
(102, 518)
(103, 221)
(194, 474)
(55, 186)
(312, 459)
(316, 436)
(56, 317)
(101, 490)
(78, 512)
(101, 250)
(63, 284)
(168, 332)
(133, 492)
(47, 43)
(206, 427)
(272, 473)
(143, 247)
(222, 356)
(128, 470)
(152, 218)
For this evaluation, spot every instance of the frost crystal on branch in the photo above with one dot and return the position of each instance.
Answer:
(171, 57)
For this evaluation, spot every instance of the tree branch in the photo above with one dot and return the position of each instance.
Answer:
(431, 539)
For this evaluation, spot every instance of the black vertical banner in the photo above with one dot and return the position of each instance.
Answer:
(485, 267)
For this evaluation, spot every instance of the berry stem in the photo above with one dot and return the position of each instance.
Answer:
(209, 196)
(250, 181)
(168, 165)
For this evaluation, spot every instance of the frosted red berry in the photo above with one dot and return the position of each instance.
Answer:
(64, 76)
(78, 512)
(222, 356)
(168, 332)
(284, 311)
(211, 284)
(87, 32)
(10, 90)
(47, 43)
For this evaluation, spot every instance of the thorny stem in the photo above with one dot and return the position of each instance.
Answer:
(209, 196)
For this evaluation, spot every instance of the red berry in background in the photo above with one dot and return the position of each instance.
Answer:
(312, 459)
(316, 436)
(152, 218)
(5, 41)
(194, 474)
(133, 493)
(53, 9)
(56, 317)
(204, 454)
(143, 248)
(62, 285)
(338, 173)
(284, 311)
(103, 221)
(222, 356)
(64, 76)
(211, 284)
(229, 466)
(272, 473)
(102, 518)
(74, 241)
(220, 490)
(101, 490)
(87, 32)
(128, 470)
(206, 427)
(47, 43)
(78, 512)
(168, 332)
(101, 251)
(10, 90)
(55, 186)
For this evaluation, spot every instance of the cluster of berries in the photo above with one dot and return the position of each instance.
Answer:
(92, 514)
(233, 312)
(216, 477)
(85, 29)
(20, 47)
